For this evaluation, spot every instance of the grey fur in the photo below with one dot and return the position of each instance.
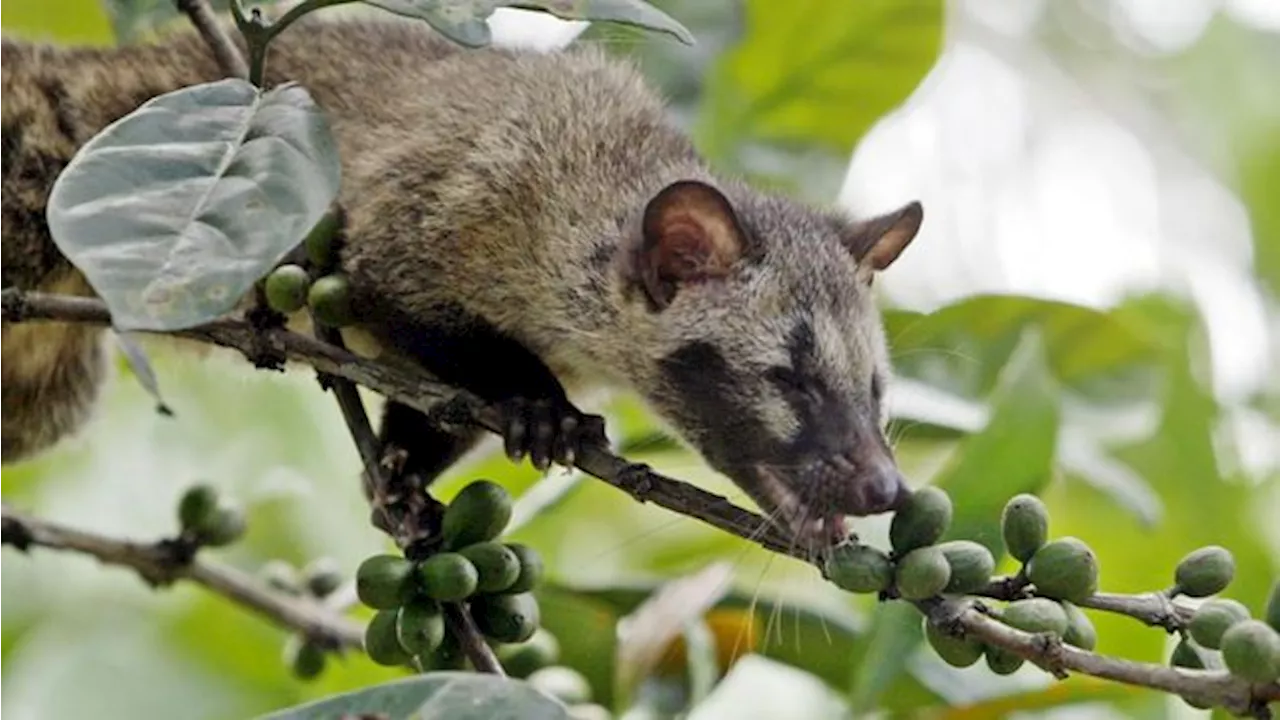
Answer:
(512, 185)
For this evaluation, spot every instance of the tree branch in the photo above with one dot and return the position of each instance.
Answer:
(215, 36)
(162, 563)
(419, 391)
(1155, 609)
(963, 618)
(442, 402)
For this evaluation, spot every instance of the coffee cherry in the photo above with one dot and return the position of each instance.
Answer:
(1036, 615)
(1251, 650)
(448, 577)
(858, 568)
(497, 567)
(1213, 619)
(922, 573)
(478, 513)
(196, 506)
(921, 520)
(507, 618)
(1024, 523)
(330, 300)
(522, 659)
(1065, 569)
(531, 569)
(380, 641)
(954, 651)
(971, 566)
(1205, 572)
(304, 658)
(286, 288)
(1080, 631)
(384, 582)
(420, 626)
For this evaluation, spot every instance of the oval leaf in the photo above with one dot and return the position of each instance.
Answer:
(462, 21)
(625, 12)
(175, 210)
(454, 695)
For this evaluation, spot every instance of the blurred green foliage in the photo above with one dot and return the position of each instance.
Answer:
(1055, 385)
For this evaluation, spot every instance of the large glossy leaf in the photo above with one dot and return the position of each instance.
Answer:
(821, 72)
(453, 695)
(963, 346)
(463, 21)
(174, 211)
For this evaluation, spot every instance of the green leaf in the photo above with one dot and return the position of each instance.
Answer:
(175, 210)
(821, 75)
(1013, 454)
(80, 22)
(454, 695)
(895, 631)
(963, 346)
(463, 21)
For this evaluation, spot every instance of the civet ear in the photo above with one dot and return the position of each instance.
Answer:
(691, 235)
(876, 242)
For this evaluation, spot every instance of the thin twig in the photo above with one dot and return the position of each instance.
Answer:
(158, 565)
(224, 49)
(1217, 687)
(431, 397)
(1154, 609)
(457, 617)
(417, 390)
(233, 63)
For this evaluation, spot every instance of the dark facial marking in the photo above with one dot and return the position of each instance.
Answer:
(826, 420)
(699, 375)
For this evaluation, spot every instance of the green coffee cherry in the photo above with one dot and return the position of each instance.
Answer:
(420, 627)
(971, 566)
(223, 526)
(322, 577)
(921, 520)
(922, 573)
(448, 577)
(954, 651)
(530, 569)
(384, 582)
(196, 506)
(1185, 655)
(1251, 650)
(286, 288)
(1271, 614)
(1036, 615)
(330, 300)
(1002, 662)
(497, 567)
(281, 577)
(479, 512)
(1080, 631)
(305, 659)
(521, 660)
(507, 618)
(380, 641)
(562, 683)
(1205, 572)
(321, 243)
(1065, 569)
(858, 568)
(1213, 619)
(449, 656)
(1024, 523)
